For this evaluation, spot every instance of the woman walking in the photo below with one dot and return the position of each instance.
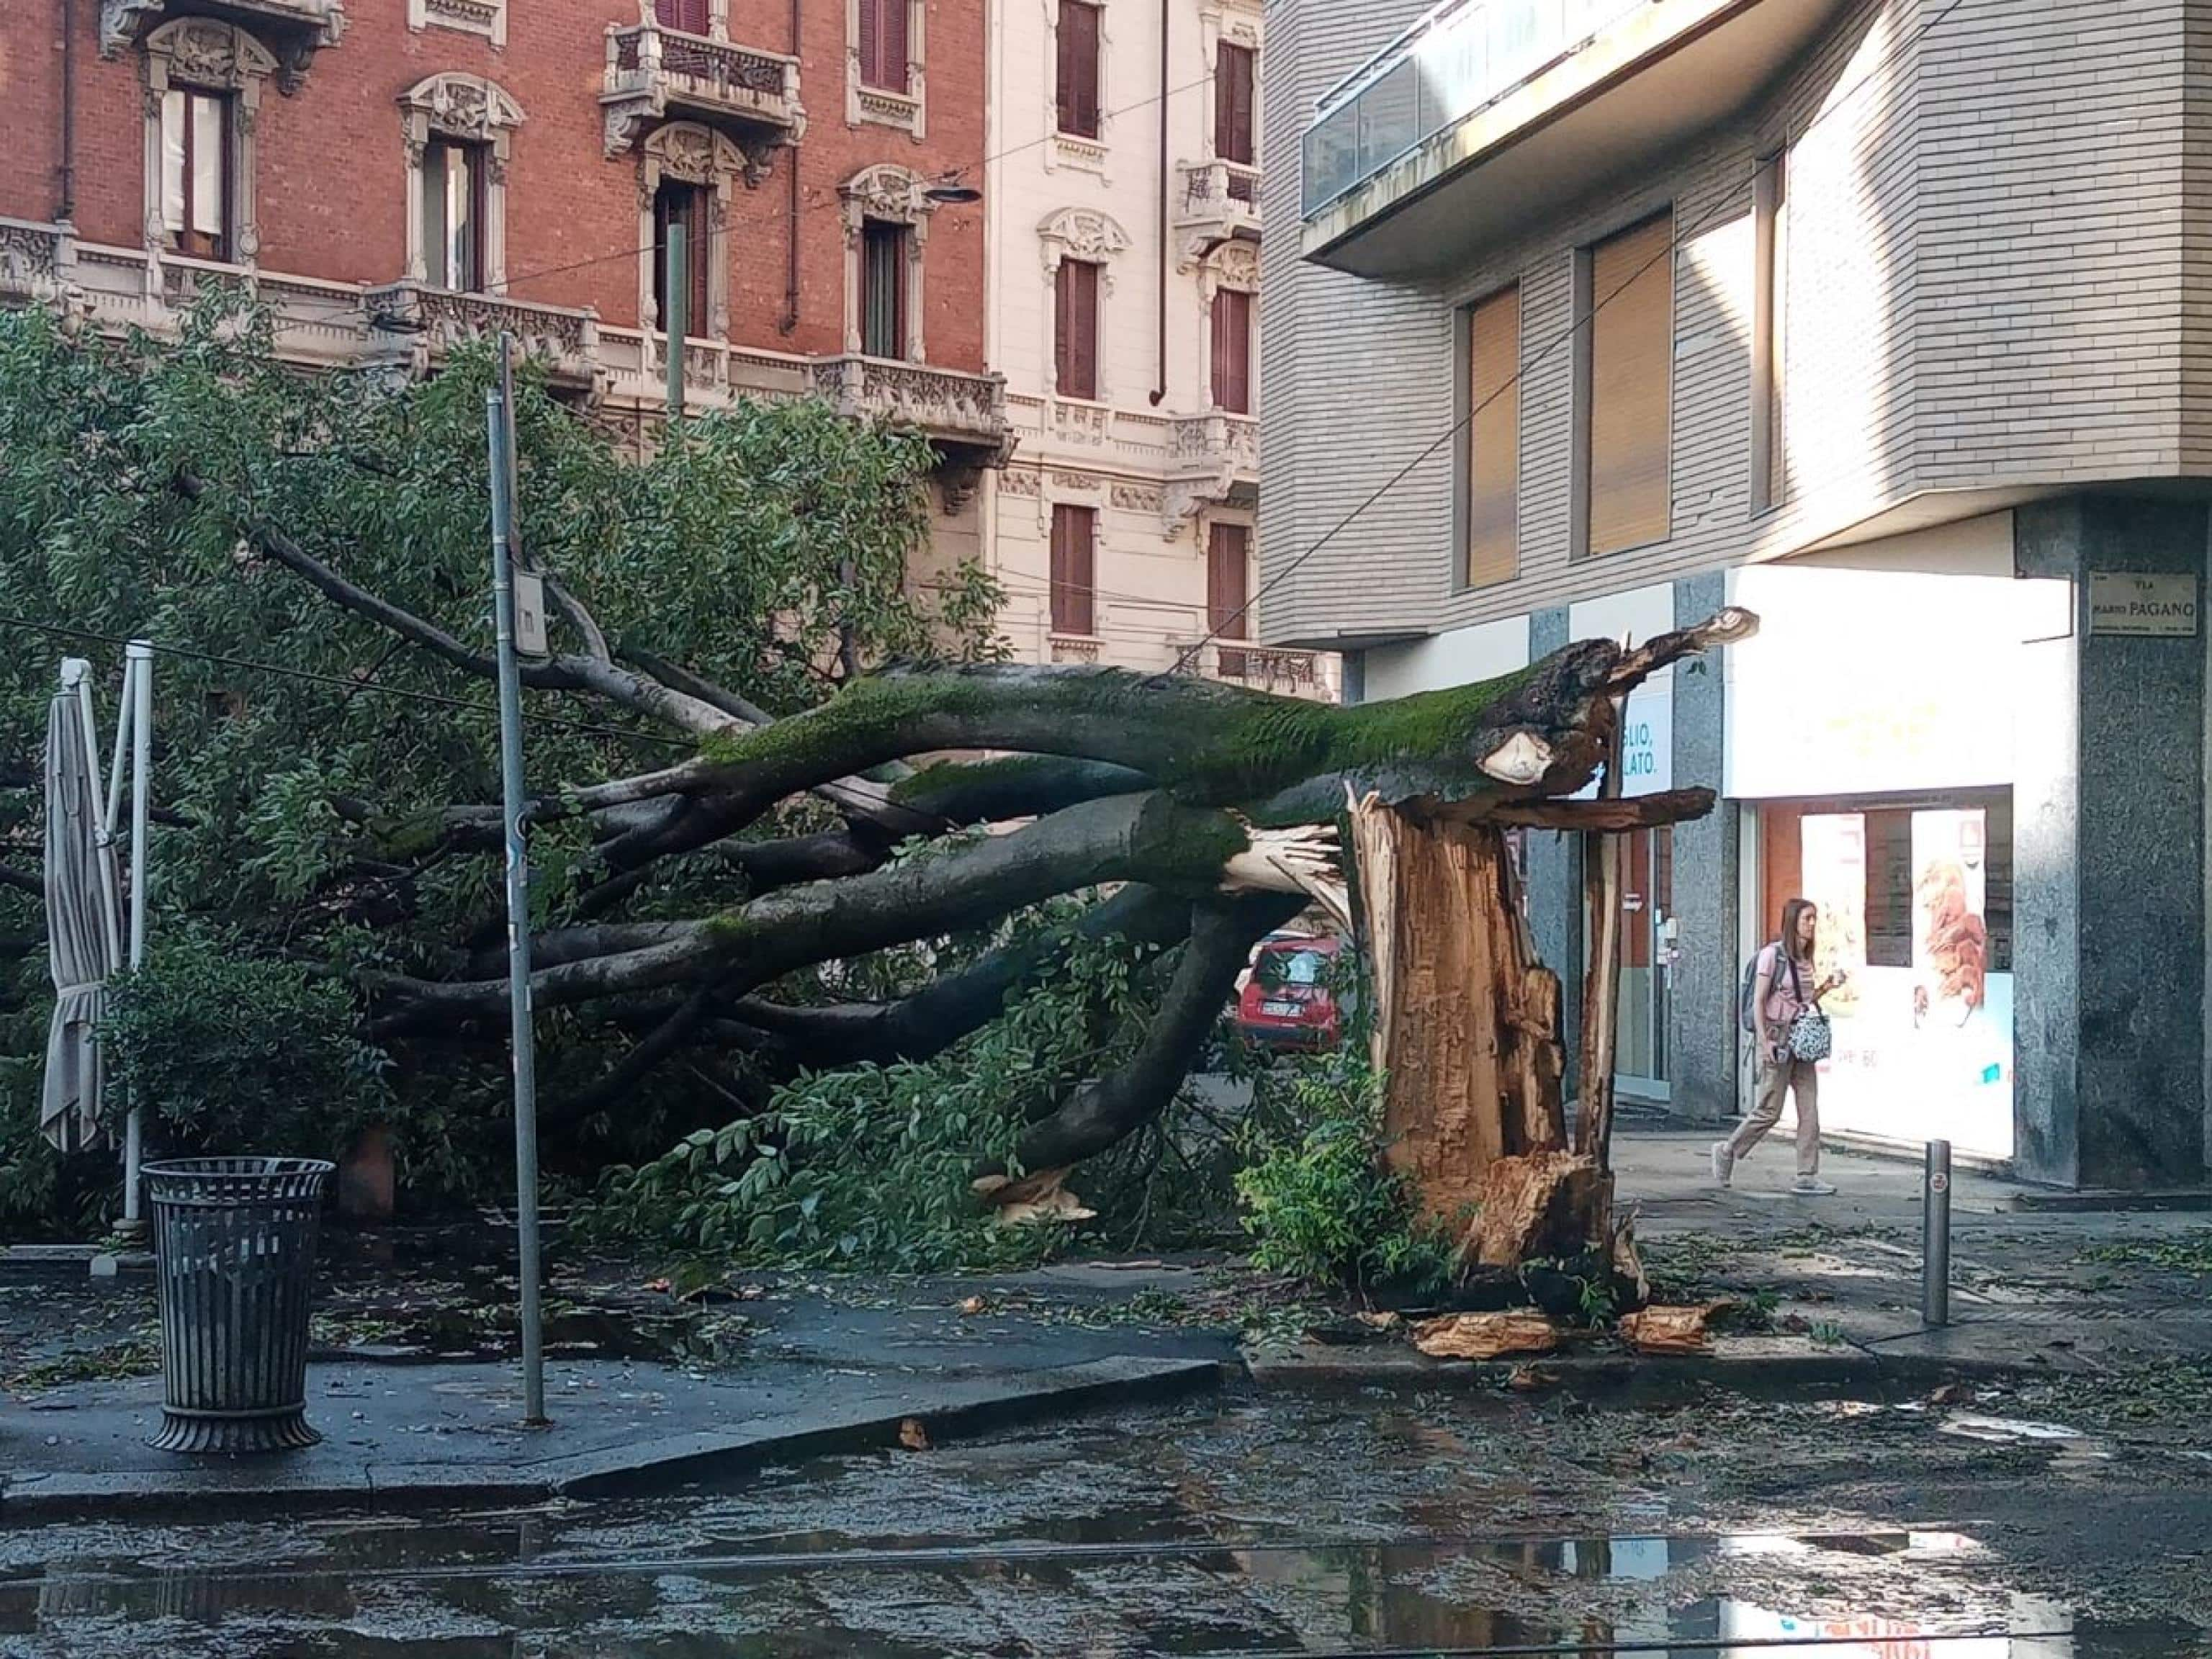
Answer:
(1783, 990)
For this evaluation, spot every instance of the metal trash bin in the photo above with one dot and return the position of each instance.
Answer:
(234, 1255)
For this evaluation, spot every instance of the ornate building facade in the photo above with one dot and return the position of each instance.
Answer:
(1123, 197)
(395, 178)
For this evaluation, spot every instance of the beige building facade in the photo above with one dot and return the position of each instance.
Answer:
(1124, 227)
(1887, 319)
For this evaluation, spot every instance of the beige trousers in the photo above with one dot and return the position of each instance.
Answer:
(1775, 1079)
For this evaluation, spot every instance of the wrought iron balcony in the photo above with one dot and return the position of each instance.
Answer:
(293, 29)
(654, 73)
(1263, 667)
(1220, 203)
(414, 325)
(963, 414)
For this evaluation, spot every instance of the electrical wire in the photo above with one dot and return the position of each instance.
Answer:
(1674, 242)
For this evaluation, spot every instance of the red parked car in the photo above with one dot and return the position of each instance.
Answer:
(1289, 1001)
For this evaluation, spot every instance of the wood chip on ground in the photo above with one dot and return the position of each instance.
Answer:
(1485, 1335)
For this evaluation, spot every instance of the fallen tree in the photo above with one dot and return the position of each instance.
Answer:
(795, 824)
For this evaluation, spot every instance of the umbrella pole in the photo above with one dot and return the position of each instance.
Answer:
(138, 692)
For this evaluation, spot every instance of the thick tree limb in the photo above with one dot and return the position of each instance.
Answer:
(1127, 838)
(1104, 1111)
(1638, 812)
(935, 1018)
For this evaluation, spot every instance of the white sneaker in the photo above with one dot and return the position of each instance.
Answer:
(1723, 1164)
(1810, 1187)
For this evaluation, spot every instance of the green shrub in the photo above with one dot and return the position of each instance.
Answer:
(232, 1053)
(1318, 1198)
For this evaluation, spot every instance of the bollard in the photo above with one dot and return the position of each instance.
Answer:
(1935, 1238)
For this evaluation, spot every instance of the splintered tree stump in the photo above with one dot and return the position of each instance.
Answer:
(1541, 1204)
(1466, 1020)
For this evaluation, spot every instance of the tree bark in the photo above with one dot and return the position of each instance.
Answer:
(932, 1019)
(1466, 1021)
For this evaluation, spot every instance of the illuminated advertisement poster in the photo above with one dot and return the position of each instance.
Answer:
(1924, 1022)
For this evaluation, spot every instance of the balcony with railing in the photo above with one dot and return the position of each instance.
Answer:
(294, 29)
(417, 327)
(1486, 111)
(1264, 668)
(963, 414)
(655, 73)
(1219, 202)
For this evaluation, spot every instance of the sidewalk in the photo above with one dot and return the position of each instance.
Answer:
(2030, 1286)
(817, 1367)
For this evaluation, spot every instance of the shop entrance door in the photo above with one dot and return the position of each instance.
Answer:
(1647, 943)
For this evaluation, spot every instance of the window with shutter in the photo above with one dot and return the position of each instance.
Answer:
(1074, 530)
(1232, 351)
(1075, 329)
(1234, 79)
(690, 16)
(677, 203)
(883, 289)
(1492, 345)
(1077, 90)
(1628, 413)
(1228, 590)
(883, 44)
(196, 173)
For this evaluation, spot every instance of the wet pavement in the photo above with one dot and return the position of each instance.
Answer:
(2005, 1523)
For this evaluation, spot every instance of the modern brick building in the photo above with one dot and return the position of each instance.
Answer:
(396, 175)
(1886, 319)
(1123, 204)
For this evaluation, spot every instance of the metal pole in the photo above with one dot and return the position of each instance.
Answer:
(138, 677)
(677, 304)
(518, 911)
(1935, 1238)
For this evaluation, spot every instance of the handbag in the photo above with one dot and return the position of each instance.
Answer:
(1810, 1038)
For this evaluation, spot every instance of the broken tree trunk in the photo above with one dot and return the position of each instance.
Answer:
(1465, 1032)
(1602, 984)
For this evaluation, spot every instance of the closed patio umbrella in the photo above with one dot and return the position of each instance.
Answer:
(83, 908)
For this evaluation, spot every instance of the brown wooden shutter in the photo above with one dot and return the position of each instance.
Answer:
(1073, 558)
(1493, 439)
(1233, 81)
(872, 43)
(689, 15)
(1631, 390)
(1075, 329)
(890, 67)
(1228, 590)
(1232, 350)
(1077, 89)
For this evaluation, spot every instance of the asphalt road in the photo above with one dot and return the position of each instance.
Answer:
(2071, 1519)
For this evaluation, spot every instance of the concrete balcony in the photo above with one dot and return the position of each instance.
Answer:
(417, 327)
(963, 415)
(1264, 668)
(293, 29)
(37, 261)
(1211, 458)
(655, 74)
(1219, 202)
(1488, 113)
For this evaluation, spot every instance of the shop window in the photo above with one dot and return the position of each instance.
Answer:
(1889, 901)
(1626, 373)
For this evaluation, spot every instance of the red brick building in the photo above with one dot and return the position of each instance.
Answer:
(393, 175)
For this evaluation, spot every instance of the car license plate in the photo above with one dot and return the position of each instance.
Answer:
(1279, 1010)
